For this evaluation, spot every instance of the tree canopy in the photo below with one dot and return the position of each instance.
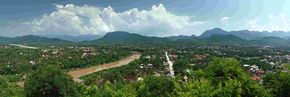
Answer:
(50, 81)
(278, 83)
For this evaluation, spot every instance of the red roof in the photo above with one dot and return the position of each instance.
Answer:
(256, 78)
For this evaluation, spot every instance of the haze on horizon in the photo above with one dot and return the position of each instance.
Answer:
(147, 17)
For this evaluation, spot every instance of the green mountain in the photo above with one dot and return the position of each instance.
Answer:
(276, 41)
(245, 34)
(31, 39)
(180, 37)
(223, 39)
(4, 40)
(120, 37)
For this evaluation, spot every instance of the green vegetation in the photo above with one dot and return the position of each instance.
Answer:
(200, 71)
(50, 81)
(31, 39)
(228, 81)
(15, 62)
(278, 83)
(9, 90)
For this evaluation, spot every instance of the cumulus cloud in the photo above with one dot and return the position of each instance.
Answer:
(80, 20)
(276, 22)
(224, 19)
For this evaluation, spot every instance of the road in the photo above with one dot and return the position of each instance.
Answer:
(86, 71)
(171, 70)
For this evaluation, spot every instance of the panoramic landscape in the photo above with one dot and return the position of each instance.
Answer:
(144, 48)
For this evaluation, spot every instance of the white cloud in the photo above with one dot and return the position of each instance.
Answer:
(276, 22)
(77, 20)
(224, 19)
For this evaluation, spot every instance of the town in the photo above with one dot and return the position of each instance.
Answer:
(185, 63)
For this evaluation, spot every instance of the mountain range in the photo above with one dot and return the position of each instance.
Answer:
(32, 39)
(121, 37)
(213, 36)
(78, 38)
(246, 34)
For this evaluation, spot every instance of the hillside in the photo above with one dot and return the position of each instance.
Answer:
(31, 39)
(271, 41)
(120, 37)
(224, 39)
(245, 34)
(214, 36)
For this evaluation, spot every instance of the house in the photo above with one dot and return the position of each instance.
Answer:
(147, 57)
(32, 62)
(246, 65)
(173, 57)
(157, 74)
(149, 65)
(256, 78)
(185, 78)
(84, 55)
(79, 81)
(140, 79)
(272, 64)
(254, 68)
(131, 78)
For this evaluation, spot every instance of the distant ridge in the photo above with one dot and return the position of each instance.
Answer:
(78, 38)
(121, 37)
(215, 36)
(32, 39)
(245, 34)
(180, 37)
(223, 38)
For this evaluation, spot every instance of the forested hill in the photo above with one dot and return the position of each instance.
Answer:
(31, 39)
(245, 34)
(121, 37)
(219, 37)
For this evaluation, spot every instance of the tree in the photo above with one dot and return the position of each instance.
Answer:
(50, 81)
(155, 87)
(254, 89)
(226, 68)
(109, 90)
(230, 88)
(8, 90)
(195, 88)
(237, 88)
(231, 80)
(278, 83)
(180, 65)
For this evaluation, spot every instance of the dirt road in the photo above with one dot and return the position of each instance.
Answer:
(85, 71)
(170, 64)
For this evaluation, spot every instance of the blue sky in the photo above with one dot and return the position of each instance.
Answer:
(146, 17)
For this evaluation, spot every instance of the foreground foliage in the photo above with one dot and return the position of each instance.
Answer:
(222, 77)
(50, 81)
(9, 90)
(278, 83)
